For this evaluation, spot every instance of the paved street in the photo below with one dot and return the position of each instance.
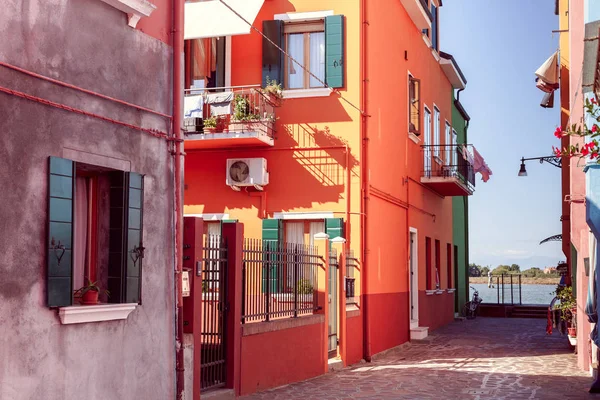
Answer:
(487, 358)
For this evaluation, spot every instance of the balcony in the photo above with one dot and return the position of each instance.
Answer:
(227, 117)
(419, 12)
(448, 169)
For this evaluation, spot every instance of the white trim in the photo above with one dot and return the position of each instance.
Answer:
(303, 215)
(430, 292)
(321, 236)
(95, 313)
(439, 291)
(452, 74)
(228, 61)
(414, 294)
(427, 41)
(451, 290)
(135, 9)
(209, 217)
(303, 93)
(435, 54)
(303, 16)
(414, 138)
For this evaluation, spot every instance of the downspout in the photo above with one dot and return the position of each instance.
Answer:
(178, 10)
(364, 189)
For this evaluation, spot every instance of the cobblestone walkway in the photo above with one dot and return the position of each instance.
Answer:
(486, 358)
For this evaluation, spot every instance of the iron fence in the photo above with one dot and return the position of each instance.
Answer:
(236, 109)
(508, 288)
(449, 161)
(351, 266)
(279, 280)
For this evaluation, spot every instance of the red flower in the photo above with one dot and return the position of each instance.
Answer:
(557, 152)
(594, 155)
(558, 132)
(593, 100)
(594, 128)
(585, 151)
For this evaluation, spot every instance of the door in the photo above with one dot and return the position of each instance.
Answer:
(414, 280)
(428, 149)
(333, 303)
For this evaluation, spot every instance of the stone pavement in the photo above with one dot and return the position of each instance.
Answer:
(486, 358)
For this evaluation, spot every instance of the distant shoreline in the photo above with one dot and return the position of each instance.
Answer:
(527, 281)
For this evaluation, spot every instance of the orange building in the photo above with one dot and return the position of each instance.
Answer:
(360, 146)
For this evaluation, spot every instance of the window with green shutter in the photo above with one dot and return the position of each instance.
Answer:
(92, 211)
(315, 45)
(272, 234)
(334, 227)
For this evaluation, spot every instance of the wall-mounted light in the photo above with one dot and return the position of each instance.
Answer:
(556, 161)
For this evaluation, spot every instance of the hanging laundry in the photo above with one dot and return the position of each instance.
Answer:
(547, 74)
(480, 166)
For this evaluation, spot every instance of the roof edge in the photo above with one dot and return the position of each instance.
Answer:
(450, 57)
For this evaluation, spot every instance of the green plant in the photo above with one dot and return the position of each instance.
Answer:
(273, 87)
(204, 286)
(91, 286)
(567, 302)
(210, 122)
(241, 108)
(304, 286)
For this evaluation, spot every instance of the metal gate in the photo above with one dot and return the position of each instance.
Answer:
(214, 312)
(334, 266)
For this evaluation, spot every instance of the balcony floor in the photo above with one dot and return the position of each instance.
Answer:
(447, 186)
(196, 140)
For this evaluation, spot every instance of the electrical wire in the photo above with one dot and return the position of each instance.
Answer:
(293, 59)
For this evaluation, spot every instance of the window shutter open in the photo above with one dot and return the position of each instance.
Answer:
(125, 244)
(135, 248)
(60, 232)
(334, 227)
(272, 234)
(334, 51)
(272, 58)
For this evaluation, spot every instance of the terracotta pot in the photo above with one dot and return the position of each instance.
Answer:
(572, 332)
(89, 297)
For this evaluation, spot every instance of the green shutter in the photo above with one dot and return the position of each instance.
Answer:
(125, 250)
(272, 57)
(134, 246)
(334, 51)
(61, 180)
(334, 227)
(272, 234)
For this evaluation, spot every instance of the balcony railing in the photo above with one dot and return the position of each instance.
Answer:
(229, 116)
(448, 169)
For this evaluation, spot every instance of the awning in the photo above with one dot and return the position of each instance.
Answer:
(590, 76)
(555, 238)
(206, 19)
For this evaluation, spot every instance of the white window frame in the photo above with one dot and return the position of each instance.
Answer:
(436, 133)
(427, 139)
(453, 158)
(448, 142)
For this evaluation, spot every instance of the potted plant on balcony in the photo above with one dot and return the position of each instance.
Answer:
(568, 308)
(273, 91)
(88, 294)
(210, 125)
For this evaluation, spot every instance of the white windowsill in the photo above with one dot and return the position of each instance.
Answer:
(451, 290)
(414, 137)
(135, 9)
(96, 313)
(303, 16)
(304, 93)
(430, 292)
(439, 291)
(427, 40)
(435, 54)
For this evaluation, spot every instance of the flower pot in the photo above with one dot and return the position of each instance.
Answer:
(572, 332)
(210, 130)
(89, 297)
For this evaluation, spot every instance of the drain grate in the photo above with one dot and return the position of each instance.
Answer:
(475, 392)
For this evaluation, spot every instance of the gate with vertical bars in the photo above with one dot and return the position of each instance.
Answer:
(214, 312)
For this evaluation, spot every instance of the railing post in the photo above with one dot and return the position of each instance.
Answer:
(511, 290)
(322, 246)
(339, 245)
(520, 295)
(502, 288)
(233, 235)
(296, 281)
(498, 288)
(270, 255)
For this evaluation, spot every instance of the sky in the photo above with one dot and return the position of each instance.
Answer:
(498, 45)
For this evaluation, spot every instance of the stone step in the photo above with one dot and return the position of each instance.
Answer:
(218, 394)
(419, 333)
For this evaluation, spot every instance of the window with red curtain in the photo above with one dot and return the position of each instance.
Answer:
(449, 264)
(428, 271)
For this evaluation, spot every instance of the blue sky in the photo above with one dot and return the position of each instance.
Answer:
(499, 44)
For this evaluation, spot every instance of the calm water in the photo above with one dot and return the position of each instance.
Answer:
(532, 294)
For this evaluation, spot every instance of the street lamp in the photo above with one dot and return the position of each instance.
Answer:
(553, 160)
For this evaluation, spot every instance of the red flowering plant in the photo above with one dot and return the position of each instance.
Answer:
(590, 149)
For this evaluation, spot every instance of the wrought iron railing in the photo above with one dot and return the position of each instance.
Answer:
(279, 280)
(351, 267)
(508, 288)
(236, 109)
(449, 161)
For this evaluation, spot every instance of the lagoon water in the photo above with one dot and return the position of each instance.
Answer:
(532, 294)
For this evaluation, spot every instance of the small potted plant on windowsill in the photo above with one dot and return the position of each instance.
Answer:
(88, 294)
(568, 308)
(273, 91)
(210, 125)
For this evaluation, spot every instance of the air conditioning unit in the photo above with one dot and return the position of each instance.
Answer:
(247, 172)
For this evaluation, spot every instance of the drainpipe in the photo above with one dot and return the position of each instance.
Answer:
(364, 190)
(178, 7)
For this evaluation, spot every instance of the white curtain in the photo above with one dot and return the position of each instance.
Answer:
(317, 58)
(80, 229)
(316, 227)
(294, 232)
(295, 48)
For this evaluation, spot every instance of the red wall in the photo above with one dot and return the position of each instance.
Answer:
(158, 24)
(354, 339)
(435, 310)
(277, 358)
